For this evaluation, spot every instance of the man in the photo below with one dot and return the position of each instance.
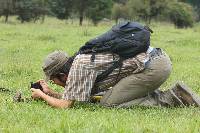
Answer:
(136, 83)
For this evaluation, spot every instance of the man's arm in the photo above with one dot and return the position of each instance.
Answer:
(54, 94)
(58, 103)
(54, 102)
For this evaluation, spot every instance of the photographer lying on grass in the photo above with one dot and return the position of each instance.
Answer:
(120, 64)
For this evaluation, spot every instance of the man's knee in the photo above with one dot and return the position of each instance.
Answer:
(139, 85)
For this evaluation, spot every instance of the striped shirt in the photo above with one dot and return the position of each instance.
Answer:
(83, 73)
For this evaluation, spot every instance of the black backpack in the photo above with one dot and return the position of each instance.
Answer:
(126, 40)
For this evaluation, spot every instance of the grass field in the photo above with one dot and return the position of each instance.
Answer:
(23, 48)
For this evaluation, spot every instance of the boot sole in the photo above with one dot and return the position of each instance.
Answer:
(195, 98)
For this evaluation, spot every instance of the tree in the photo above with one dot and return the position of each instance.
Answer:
(41, 9)
(157, 7)
(81, 6)
(139, 9)
(146, 9)
(61, 8)
(7, 7)
(24, 9)
(119, 11)
(116, 11)
(99, 9)
(31, 10)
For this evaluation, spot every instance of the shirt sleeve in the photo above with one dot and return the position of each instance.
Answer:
(81, 79)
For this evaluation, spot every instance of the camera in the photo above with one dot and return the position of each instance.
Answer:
(36, 85)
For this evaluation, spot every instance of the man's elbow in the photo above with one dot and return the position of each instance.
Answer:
(66, 104)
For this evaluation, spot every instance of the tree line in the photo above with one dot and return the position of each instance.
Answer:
(183, 13)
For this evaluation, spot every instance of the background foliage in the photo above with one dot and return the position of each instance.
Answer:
(182, 13)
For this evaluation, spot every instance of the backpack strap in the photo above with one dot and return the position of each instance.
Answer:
(103, 75)
(149, 29)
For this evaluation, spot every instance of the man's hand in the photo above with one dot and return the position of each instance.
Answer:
(54, 102)
(49, 91)
(45, 86)
(36, 93)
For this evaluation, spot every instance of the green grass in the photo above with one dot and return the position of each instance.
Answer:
(23, 48)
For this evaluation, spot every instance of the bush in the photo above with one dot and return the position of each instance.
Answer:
(24, 9)
(99, 9)
(181, 14)
(31, 10)
(120, 11)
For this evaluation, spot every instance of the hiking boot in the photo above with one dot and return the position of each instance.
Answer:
(187, 96)
(176, 100)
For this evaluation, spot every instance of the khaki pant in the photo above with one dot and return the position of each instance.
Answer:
(139, 89)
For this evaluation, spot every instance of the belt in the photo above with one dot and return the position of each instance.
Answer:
(154, 53)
